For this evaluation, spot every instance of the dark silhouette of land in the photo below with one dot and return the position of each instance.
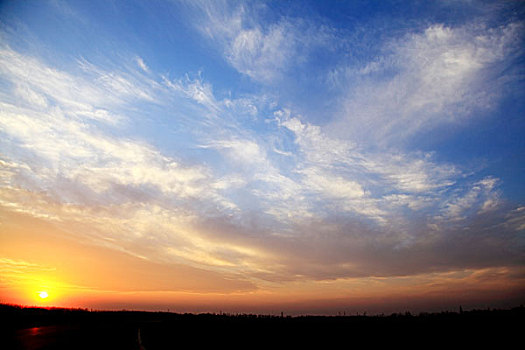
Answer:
(58, 328)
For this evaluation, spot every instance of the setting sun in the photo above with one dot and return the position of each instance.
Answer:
(43, 294)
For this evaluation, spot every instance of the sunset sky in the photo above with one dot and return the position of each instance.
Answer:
(309, 157)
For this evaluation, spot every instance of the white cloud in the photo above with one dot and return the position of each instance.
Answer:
(441, 75)
(366, 174)
(243, 151)
(40, 87)
(261, 55)
(67, 145)
(276, 193)
(30, 96)
(72, 150)
(264, 52)
(123, 86)
(414, 202)
(316, 145)
(197, 90)
(118, 191)
(481, 198)
(332, 186)
(142, 65)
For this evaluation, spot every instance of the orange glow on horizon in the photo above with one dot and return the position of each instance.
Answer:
(41, 266)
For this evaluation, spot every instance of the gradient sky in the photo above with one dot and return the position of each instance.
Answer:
(305, 157)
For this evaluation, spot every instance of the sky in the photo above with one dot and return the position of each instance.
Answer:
(309, 157)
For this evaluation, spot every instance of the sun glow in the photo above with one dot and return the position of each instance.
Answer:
(44, 290)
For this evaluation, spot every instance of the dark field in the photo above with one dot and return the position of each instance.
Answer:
(36, 328)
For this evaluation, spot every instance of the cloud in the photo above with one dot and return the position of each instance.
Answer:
(332, 186)
(376, 178)
(515, 220)
(117, 191)
(262, 55)
(261, 50)
(482, 198)
(442, 75)
(56, 149)
(42, 87)
(12, 270)
(142, 64)
(196, 90)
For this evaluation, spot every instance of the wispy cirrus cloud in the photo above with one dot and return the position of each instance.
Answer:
(264, 52)
(379, 180)
(56, 148)
(442, 75)
(41, 86)
(16, 269)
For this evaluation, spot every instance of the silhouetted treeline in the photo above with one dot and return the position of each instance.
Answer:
(57, 328)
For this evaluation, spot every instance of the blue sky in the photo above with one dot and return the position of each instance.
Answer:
(271, 141)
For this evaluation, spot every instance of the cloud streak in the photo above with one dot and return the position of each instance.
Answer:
(443, 75)
(264, 52)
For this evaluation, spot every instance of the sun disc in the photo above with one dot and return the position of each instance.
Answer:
(43, 294)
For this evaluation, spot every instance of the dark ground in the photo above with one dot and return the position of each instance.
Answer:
(38, 328)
